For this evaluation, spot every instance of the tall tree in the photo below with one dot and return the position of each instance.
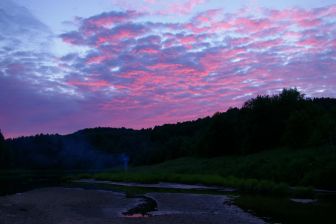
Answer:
(2, 150)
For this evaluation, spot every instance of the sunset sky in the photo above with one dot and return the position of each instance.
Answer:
(72, 64)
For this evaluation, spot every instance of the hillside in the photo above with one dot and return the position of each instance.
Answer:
(287, 120)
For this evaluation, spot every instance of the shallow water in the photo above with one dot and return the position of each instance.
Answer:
(73, 205)
(161, 185)
(270, 209)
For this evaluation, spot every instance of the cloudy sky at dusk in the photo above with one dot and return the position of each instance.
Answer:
(72, 64)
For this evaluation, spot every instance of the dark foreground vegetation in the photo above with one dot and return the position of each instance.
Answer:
(285, 138)
(272, 172)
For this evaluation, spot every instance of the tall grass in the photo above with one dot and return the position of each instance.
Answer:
(269, 172)
(250, 185)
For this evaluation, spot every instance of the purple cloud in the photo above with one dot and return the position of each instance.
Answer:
(135, 72)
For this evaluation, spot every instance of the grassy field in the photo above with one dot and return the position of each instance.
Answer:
(249, 185)
(310, 167)
(270, 172)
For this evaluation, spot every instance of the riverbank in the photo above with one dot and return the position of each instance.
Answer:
(275, 172)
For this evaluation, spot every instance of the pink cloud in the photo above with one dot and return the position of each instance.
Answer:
(94, 85)
(263, 45)
(245, 24)
(196, 29)
(310, 42)
(95, 59)
(147, 50)
(188, 40)
(111, 18)
(100, 35)
(220, 26)
(185, 7)
(309, 23)
(207, 16)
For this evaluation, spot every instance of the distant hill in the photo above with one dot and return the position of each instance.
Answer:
(263, 123)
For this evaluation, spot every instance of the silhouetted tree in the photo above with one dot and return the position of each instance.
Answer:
(2, 151)
(291, 96)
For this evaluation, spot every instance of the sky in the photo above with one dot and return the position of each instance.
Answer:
(71, 64)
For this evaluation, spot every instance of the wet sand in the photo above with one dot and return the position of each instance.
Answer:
(78, 206)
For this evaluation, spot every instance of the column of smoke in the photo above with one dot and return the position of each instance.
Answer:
(125, 159)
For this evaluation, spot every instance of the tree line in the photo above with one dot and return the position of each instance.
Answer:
(285, 120)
